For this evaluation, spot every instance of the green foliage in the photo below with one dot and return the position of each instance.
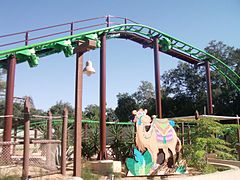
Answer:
(92, 112)
(122, 141)
(111, 116)
(144, 93)
(2, 81)
(10, 177)
(126, 104)
(141, 164)
(184, 87)
(205, 139)
(87, 174)
(58, 108)
(230, 131)
(90, 144)
(144, 98)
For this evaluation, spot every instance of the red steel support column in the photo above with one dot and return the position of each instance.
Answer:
(102, 154)
(26, 147)
(209, 89)
(157, 78)
(64, 141)
(9, 103)
(78, 117)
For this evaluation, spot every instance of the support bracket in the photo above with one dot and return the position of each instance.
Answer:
(29, 55)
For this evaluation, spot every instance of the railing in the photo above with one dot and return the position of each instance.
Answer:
(69, 28)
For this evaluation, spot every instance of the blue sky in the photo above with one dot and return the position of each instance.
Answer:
(195, 22)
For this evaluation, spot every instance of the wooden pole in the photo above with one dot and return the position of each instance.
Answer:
(25, 169)
(64, 142)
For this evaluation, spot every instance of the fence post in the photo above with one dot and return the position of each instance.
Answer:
(189, 135)
(64, 141)
(35, 136)
(49, 137)
(238, 143)
(238, 130)
(85, 132)
(15, 135)
(26, 139)
(182, 131)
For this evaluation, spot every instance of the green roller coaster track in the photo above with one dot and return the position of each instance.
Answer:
(32, 53)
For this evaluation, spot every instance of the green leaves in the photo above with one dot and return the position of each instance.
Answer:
(207, 139)
(122, 141)
(141, 165)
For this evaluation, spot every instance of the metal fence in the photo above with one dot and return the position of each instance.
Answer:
(41, 159)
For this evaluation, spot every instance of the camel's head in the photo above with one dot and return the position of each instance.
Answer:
(141, 117)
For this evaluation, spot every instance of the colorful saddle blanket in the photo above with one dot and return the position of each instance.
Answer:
(165, 139)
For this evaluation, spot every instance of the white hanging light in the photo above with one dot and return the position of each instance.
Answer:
(89, 70)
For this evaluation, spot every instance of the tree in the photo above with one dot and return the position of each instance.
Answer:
(205, 141)
(126, 104)
(111, 116)
(184, 87)
(2, 82)
(58, 108)
(145, 97)
(91, 112)
(226, 97)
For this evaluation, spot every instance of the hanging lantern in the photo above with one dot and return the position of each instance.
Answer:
(89, 69)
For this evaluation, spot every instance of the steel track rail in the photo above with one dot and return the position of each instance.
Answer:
(166, 41)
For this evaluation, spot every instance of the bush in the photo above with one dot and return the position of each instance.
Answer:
(205, 140)
(90, 146)
(123, 141)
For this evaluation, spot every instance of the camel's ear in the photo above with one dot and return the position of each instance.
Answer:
(145, 110)
(134, 112)
(154, 116)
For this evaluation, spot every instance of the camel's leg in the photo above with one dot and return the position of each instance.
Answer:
(165, 150)
(173, 151)
(153, 153)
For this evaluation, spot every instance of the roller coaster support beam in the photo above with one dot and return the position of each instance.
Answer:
(9, 101)
(78, 116)
(157, 77)
(102, 153)
(79, 50)
(209, 89)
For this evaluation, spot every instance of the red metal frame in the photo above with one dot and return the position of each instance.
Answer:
(157, 77)
(209, 89)
(9, 99)
(78, 117)
(102, 154)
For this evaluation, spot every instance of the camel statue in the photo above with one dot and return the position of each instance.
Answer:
(161, 135)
